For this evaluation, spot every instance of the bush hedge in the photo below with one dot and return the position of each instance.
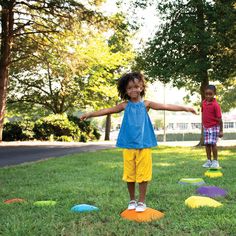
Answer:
(56, 127)
(88, 131)
(18, 130)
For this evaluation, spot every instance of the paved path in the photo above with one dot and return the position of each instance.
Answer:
(14, 153)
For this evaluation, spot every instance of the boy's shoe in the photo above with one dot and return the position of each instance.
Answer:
(132, 205)
(141, 207)
(207, 164)
(215, 164)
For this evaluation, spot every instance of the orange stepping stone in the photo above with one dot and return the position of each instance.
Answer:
(148, 215)
(14, 200)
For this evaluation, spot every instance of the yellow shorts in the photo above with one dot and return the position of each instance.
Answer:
(137, 165)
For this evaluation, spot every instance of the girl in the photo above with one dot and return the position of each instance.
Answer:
(212, 125)
(136, 135)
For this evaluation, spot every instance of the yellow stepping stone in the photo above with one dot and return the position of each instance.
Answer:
(213, 173)
(197, 201)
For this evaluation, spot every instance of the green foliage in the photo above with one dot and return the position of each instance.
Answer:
(25, 111)
(158, 123)
(226, 95)
(57, 125)
(28, 29)
(194, 44)
(18, 130)
(75, 67)
(52, 127)
(88, 130)
(65, 138)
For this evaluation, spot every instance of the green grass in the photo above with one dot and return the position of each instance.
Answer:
(95, 178)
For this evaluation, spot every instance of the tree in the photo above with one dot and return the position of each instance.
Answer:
(24, 18)
(195, 44)
(68, 76)
(226, 94)
(72, 70)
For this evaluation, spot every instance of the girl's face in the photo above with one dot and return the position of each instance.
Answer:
(209, 95)
(134, 89)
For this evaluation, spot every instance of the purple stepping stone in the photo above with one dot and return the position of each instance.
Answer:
(211, 191)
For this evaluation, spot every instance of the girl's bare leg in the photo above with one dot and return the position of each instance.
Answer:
(142, 191)
(131, 189)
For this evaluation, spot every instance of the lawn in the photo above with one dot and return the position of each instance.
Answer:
(95, 178)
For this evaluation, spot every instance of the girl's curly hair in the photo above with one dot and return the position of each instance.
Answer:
(124, 80)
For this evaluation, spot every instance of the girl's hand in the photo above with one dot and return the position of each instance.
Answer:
(190, 109)
(84, 117)
(221, 134)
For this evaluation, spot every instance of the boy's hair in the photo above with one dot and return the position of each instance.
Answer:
(125, 79)
(211, 87)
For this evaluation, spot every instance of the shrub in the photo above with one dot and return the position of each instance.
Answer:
(65, 138)
(88, 131)
(57, 125)
(18, 130)
(53, 127)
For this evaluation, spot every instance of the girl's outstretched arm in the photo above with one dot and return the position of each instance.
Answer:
(168, 107)
(118, 108)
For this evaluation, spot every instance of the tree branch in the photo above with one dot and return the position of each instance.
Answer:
(21, 27)
(39, 32)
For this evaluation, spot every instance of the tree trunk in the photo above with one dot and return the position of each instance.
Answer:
(202, 89)
(203, 51)
(6, 41)
(108, 127)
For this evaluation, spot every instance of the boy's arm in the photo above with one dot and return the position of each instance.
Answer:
(221, 127)
(118, 108)
(169, 107)
(219, 118)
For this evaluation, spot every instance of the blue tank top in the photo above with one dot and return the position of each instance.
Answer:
(136, 129)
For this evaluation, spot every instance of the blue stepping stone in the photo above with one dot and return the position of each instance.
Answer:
(84, 208)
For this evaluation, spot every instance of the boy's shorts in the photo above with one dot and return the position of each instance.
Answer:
(137, 165)
(211, 135)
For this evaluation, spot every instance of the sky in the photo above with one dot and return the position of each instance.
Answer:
(147, 17)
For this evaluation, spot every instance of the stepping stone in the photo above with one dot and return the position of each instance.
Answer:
(192, 181)
(216, 168)
(14, 200)
(213, 173)
(211, 191)
(197, 201)
(148, 215)
(84, 208)
(45, 203)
